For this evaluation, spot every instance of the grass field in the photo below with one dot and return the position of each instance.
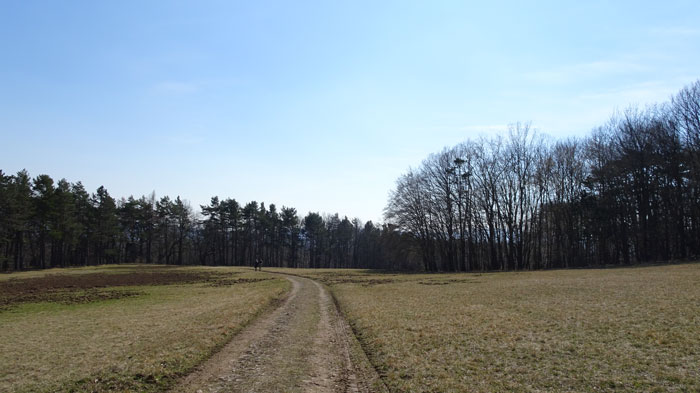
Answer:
(136, 328)
(121, 328)
(621, 330)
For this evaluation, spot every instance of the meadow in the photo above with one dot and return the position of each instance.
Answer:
(123, 327)
(139, 328)
(623, 330)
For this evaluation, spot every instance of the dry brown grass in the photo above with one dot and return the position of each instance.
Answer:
(622, 330)
(136, 343)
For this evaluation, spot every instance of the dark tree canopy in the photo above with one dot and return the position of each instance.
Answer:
(46, 224)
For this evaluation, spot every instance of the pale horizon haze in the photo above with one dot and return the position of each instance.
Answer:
(318, 106)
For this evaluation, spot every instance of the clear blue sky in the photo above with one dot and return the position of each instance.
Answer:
(315, 105)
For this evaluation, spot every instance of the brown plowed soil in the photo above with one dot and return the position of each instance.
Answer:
(90, 287)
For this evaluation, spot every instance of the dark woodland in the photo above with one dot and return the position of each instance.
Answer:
(627, 194)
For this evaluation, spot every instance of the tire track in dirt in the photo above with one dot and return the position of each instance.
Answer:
(305, 345)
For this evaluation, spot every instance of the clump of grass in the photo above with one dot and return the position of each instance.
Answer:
(138, 343)
(625, 330)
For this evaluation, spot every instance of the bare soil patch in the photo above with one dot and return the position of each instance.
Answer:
(92, 287)
(447, 282)
(233, 281)
(7, 301)
(334, 279)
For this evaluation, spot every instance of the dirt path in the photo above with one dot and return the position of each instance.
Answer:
(303, 346)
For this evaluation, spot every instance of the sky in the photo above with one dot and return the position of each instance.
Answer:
(321, 105)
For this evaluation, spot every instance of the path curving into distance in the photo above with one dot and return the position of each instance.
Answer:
(305, 345)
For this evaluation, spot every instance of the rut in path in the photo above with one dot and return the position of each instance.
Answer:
(303, 346)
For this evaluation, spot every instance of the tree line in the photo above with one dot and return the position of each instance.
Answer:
(46, 224)
(627, 194)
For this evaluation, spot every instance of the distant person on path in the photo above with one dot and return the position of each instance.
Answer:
(258, 264)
